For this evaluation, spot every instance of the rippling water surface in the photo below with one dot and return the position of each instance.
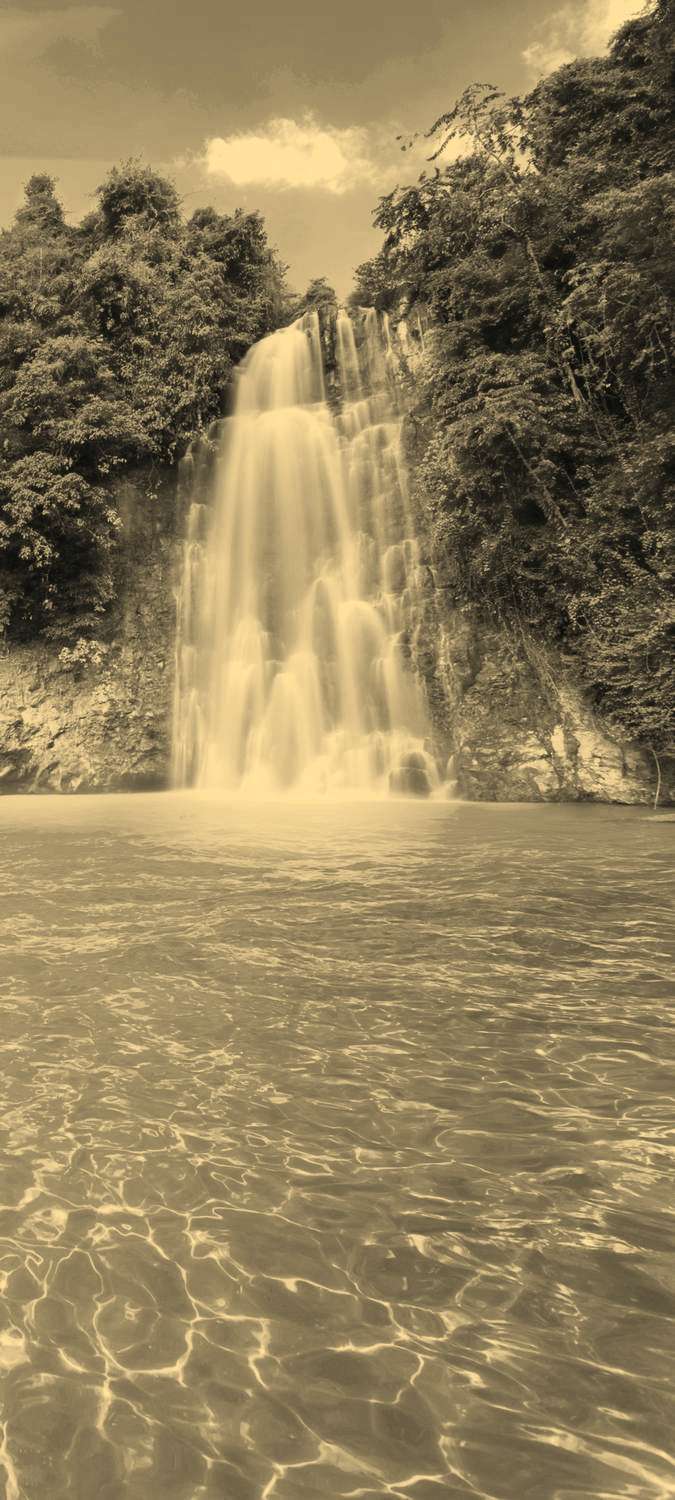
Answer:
(337, 1152)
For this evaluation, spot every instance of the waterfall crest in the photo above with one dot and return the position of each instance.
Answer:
(300, 581)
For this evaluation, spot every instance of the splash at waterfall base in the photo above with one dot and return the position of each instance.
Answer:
(301, 587)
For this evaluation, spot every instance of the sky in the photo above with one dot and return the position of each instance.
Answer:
(292, 108)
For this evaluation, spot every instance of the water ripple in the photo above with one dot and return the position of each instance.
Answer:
(337, 1152)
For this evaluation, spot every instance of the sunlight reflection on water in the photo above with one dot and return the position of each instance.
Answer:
(337, 1150)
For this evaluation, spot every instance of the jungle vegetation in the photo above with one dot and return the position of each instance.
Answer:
(117, 340)
(541, 257)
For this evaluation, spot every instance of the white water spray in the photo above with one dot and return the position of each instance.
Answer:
(300, 582)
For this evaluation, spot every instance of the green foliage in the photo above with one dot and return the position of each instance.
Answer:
(117, 342)
(56, 530)
(84, 654)
(539, 425)
(372, 286)
(320, 295)
(41, 208)
(135, 195)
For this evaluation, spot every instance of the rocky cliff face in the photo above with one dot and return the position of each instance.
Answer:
(68, 725)
(516, 726)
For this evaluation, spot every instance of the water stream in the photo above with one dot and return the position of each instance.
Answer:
(300, 580)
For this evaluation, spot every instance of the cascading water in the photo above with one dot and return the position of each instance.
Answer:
(300, 582)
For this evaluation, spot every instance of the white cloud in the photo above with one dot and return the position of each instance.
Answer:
(581, 29)
(602, 18)
(292, 154)
(35, 33)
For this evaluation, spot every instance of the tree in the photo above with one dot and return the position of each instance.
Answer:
(135, 192)
(117, 342)
(540, 427)
(41, 208)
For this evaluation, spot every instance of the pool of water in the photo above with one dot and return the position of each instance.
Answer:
(337, 1151)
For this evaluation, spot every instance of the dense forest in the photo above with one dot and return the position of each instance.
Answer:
(537, 248)
(541, 256)
(117, 339)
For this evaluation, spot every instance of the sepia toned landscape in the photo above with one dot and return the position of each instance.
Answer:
(336, 753)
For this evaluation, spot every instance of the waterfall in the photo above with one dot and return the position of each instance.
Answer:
(301, 578)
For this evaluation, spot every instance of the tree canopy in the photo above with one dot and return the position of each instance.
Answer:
(540, 421)
(117, 340)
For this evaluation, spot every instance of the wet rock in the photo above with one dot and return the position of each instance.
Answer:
(411, 779)
(14, 767)
(518, 726)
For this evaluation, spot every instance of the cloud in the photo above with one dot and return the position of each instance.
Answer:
(292, 154)
(581, 29)
(21, 33)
